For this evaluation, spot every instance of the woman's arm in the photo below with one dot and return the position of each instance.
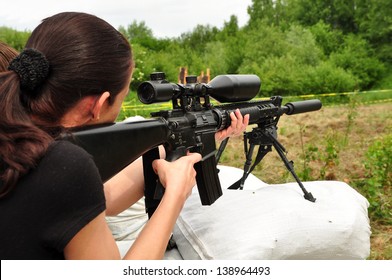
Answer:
(124, 189)
(95, 241)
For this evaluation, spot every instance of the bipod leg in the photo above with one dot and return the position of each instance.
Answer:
(247, 165)
(290, 167)
(262, 151)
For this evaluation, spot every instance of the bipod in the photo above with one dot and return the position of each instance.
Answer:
(266, 138)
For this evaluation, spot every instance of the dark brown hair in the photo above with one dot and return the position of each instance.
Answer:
(86, 56)
(7, 53)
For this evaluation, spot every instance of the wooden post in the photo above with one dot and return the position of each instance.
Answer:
(182, 75)
(204, 78)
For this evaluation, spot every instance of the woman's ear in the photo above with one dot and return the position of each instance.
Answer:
(99, 104)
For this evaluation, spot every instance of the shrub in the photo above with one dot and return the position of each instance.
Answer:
(378, 182)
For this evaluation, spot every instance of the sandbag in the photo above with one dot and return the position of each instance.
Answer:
(275, 222)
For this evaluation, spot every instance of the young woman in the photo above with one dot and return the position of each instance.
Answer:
(75, 70)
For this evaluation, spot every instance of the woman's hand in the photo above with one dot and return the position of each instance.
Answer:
(238, 125)
(178, 177)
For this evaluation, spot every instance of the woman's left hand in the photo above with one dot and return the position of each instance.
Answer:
(237, 127)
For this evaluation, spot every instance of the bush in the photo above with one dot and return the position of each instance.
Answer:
(14, 38)
(378, 183)
(356, 56)
(326, 77)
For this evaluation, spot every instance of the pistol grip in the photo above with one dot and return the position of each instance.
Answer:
(150, 181)
(171, 156)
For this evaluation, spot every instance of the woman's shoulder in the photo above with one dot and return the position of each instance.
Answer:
(67, 158)
(64, 145)
(66, 150)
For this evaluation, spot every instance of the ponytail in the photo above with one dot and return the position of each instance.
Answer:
(22, 143)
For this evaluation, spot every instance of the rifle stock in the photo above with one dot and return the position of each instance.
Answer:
(114, 146)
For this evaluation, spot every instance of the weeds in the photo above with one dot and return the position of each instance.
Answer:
(352, 113)
(332, 144)
(377, 186)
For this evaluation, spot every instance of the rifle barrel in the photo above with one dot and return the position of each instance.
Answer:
(263, 110)
(299, 107)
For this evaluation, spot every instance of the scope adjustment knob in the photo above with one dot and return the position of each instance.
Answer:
(157, 76)
(191, 79)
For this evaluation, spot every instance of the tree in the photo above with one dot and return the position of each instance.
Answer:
(327, 38)
(231, 43)
(14, 38)
(339, 14)
(215, 58)
(375, 25)
(261, 10)
(139, 33)
(198, 38)
(356, 56)
(136, 31)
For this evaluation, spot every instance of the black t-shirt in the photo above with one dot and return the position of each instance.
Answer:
(50, 204)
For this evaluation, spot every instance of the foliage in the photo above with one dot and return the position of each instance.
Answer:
(327, 39)
(355, 56)
(378, 185)
(139, 33)
(385, 81)
(338, 14)
(374, 20)
(199, 37)
(14, 38)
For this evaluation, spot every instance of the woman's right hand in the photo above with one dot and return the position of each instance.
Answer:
(178, 177)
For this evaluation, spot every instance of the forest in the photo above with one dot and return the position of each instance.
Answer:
(295, 47)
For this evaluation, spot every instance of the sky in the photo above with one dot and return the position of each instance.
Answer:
(166, 18)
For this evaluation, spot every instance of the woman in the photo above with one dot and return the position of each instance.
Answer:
(75, 71)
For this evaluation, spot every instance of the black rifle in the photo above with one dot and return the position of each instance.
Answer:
(191, 126)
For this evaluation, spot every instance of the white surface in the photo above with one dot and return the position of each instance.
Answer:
(276, 222)
(265, 222)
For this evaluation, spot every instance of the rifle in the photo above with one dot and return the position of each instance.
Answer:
(191, 125)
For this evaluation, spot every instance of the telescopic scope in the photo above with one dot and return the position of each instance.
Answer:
(223, 88)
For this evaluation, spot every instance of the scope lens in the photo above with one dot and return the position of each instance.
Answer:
(155, 91)
(146, 93)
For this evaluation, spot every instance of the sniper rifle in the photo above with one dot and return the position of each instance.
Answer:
(191, 125)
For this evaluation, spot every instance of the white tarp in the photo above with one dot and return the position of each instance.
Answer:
(275, 222)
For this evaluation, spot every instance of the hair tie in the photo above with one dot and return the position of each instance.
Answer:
(32, 68)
